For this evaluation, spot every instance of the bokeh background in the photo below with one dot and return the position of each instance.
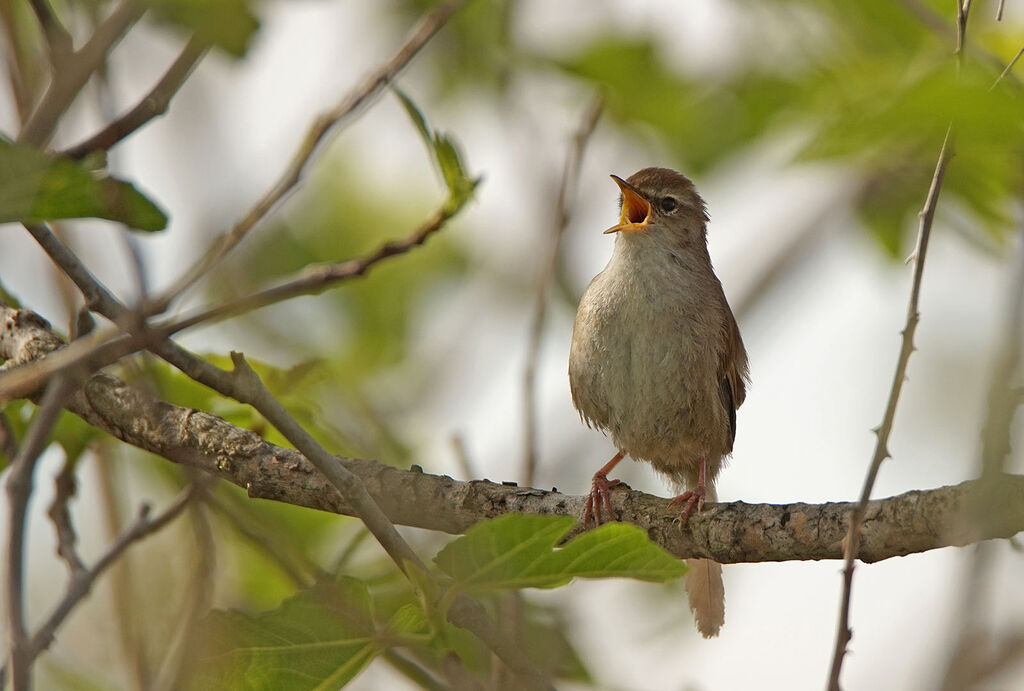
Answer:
(811, 130)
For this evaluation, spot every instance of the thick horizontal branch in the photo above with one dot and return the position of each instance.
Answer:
(729, 532)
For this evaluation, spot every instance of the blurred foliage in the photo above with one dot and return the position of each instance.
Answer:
(319, 639)
(475, 49)
(36, 186)
(866, 84)
(70, 432)
(227, 24)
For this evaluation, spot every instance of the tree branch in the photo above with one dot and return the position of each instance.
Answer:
(369, 88)
(312, 280)
(154, 104)
(729, 533)
(19, 489)
(70, 76)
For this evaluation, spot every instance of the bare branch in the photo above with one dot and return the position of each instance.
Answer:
(367, 90)
(852, 541)
(58, 40)
(562, 214)
(19, 489)
(66, 486)
(153, 105)
(312, 280)
(71, 76)
(853, 538)
(730, 533)
(8, 442)
(82, 582)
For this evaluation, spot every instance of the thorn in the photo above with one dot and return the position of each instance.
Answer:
(509, 483)
(416, 468)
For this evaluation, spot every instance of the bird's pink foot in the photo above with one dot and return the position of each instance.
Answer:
(691, 498)
(694, 497)
(599, 500)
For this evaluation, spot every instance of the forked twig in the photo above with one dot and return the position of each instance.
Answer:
(370, 87)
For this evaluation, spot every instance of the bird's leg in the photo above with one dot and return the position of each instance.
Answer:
(694, 497)
(599, 491)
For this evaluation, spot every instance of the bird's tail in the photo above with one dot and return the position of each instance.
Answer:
(705, 589)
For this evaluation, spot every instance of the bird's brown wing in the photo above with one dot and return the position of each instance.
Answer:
(733, 373)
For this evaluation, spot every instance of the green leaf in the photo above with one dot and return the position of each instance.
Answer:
(446, 157)
(319, 639)
(36, 186)
(227, 24)
(519, 551)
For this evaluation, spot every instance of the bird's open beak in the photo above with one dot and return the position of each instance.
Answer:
(636, 210)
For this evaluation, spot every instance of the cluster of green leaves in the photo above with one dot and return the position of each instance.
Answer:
(322, 637)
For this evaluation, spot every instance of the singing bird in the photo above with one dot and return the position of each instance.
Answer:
(657, 360)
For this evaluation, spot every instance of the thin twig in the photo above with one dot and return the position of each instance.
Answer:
(561, 216)
(1009, 67)
(853, 536)
(843, 632)
(19, 489)
(71, 76)
(153, 105)
(8, 440)
(58, 40)
(367, 90)
(311, 280)
(65, 487)
(81, 585)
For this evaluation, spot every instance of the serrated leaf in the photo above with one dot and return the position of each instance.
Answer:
(519, 551)
(415, 115)
(319, 639)
(36, 186)
(446, 157)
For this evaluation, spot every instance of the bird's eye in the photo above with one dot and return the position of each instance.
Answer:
(669, 204)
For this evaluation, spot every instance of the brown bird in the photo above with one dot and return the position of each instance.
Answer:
(657, 359)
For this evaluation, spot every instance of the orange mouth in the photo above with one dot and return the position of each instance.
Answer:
(636, 210)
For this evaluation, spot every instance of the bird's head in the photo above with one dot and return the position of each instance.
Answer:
(660, 201)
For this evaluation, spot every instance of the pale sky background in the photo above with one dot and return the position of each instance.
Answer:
(823, 342)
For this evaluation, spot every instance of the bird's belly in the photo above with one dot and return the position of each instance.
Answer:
(648, 393)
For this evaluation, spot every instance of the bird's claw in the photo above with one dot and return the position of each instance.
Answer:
(599, 498)
(691, 498)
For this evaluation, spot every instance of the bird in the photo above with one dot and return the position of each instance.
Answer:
(657, 361)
